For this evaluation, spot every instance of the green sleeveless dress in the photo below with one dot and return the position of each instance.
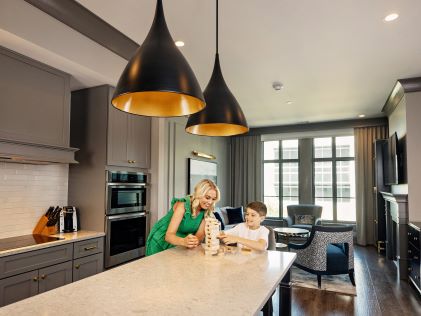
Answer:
(188, 225)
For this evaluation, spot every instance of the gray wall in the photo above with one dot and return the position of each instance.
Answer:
(180, 147)
(413, 144)
(405, 121)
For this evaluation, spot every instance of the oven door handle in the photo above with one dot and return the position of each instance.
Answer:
(127, 185)
(124, 216)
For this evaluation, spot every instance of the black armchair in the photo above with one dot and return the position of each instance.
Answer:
(328, 251)
(309, 214)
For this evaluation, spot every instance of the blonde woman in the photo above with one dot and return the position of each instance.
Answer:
(184, 223)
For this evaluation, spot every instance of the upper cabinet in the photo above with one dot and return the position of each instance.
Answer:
(35, 103)
(128, 139)
(106, 135)
(34, 111)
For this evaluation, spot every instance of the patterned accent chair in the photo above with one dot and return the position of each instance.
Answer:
(328, 251)
(309, 212)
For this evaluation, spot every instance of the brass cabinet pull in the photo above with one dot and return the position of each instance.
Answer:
(35, 279)
(131, 161)
(90, 248)
(43, 277)
(77, 266)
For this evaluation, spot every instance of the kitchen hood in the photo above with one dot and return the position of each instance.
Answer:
(30, 153)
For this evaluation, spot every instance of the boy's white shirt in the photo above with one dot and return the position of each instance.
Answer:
(242, 231)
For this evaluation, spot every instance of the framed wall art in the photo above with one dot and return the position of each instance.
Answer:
(199, 170)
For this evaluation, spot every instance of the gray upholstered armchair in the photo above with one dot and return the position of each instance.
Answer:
(303, 216)
(328, 251)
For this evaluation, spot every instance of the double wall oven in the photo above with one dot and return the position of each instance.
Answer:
(127, 216)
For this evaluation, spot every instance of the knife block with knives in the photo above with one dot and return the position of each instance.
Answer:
(47, 224)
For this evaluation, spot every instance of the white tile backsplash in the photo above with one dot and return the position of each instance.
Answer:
(26, 192)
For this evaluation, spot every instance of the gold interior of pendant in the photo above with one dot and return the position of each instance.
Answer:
(217, 129)
(158, 103)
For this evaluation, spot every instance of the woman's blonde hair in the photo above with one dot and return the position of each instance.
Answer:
(200, 190)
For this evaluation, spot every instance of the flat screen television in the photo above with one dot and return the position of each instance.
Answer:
(390, 165)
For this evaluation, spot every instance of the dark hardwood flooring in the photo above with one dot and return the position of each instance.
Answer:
(379, 292)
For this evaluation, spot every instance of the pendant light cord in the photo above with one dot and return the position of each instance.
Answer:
(217, 13)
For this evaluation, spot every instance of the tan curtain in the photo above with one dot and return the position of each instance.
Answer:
(364, 168)
(246, 166)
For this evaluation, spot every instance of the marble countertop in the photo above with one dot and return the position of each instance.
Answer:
(177, 281)
(66, 238)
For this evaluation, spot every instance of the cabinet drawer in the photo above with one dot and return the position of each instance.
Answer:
(32, 260)
(88, 247)
(87, 266)
(414, 236)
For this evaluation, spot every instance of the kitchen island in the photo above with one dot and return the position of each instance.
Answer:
(174, 282)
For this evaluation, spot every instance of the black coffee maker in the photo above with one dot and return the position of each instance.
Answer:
(69, 220)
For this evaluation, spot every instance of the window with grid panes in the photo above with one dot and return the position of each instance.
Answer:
(334, 177)
(281, 175)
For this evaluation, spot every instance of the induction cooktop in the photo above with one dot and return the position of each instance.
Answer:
(24, 241)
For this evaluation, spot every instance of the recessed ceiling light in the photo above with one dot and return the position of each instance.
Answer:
(179, 43)
(289, 102)
(391, 17)
(361, 115)
(277, 85)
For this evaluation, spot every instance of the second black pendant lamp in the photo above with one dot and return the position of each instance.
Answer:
(223, 115)
(158, 81)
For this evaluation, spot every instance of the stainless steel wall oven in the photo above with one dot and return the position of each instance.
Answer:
(127, 216)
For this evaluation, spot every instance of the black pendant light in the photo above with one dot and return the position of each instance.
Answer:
(158, 81)
(223, 115)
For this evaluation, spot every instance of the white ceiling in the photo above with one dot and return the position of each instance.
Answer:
(336, 59)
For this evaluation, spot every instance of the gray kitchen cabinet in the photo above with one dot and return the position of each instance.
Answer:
(51, 277)
(106, 135)
(139, 141)
(88, 247)
(18, 287)
(87, 266)
(128, 139)
(34, 260)
(29, 273)
(35, 106)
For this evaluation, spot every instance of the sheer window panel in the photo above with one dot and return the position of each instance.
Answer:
(271, 150)
(323, 183)
(346, 209)
(272, 204)
(345, 178)
(271, 179)
(288, 200)
(327, 204)
(290, 190)
(290, 149)
(344, 146)
(322, 147)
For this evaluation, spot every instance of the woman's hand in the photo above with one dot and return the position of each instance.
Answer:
(191, 241)
(228, 239)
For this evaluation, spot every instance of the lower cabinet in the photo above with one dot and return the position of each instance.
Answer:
(87, 266)
(81, 259)
(18, 287)
(51, 277)
(28, 284)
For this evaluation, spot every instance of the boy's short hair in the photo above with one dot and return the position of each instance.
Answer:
(259, 207)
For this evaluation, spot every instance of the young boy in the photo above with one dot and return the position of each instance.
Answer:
(250, 234)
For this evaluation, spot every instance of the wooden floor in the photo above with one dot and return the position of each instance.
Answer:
(379, 292)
